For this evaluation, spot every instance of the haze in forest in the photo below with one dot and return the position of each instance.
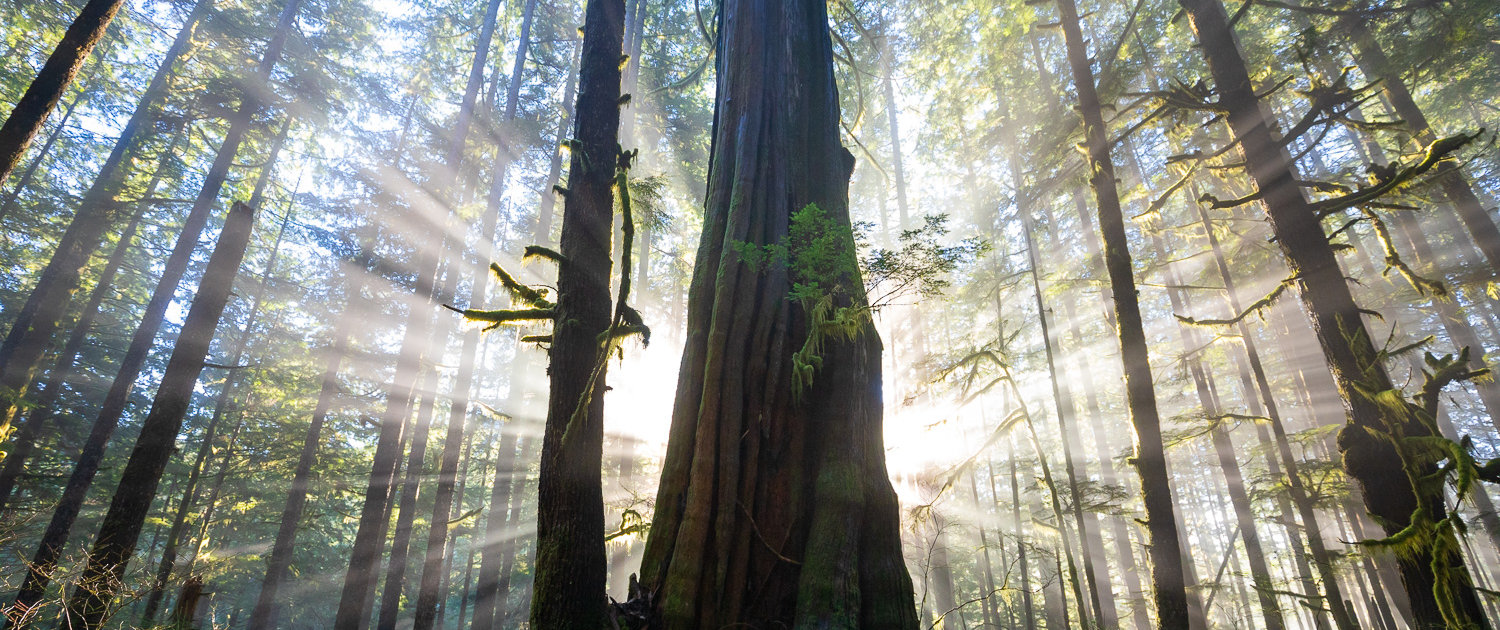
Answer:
(628, 314)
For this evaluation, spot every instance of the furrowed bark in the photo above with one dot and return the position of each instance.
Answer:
(1336, 319)
(88, 605)
(773, 510)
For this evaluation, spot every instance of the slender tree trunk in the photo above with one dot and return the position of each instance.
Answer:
(31, 332)
(488, 592)
(546, 213)
(1028, 613)
(89, 603)
(514, 542)
(1063, 405)
(985, 564)
(1104, 452)
(1150, 457)
(427, 597)
(774, 509)
(406, 508)
(115, 401)
(364, 556)
(30, 113)
(892, 112)
(1223, 445)
(569, 582)
(1347, 346)
(11, 198)
(263, 615)
(47, 400)
(221, 402)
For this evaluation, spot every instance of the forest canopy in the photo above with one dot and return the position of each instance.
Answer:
(669, 314)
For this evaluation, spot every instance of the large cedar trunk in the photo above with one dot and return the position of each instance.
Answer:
(1336, 318)
(773, 511)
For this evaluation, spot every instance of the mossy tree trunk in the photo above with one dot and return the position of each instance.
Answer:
(1167, 587)
(1373, 462)
(774, 511)
(571, 565)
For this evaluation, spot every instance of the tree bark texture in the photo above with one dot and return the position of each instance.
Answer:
(31, 112)
(774, 512)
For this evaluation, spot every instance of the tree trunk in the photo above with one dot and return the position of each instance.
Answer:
(487, 593)
(89, 603)
(571, 566)
(1262, 402)
(545, 214)
(31, 332)
(364, 554)
(1028, 613)
(1336, 319)
(774, 509)
(437, 536)
(263, 615)
(115, 401)
(1063, 404)
(47, 399)
(406, 508)
(1223, 445)
(510, 548)
(11, 198)
(221, 402)
(30, 113)
(1150, 457)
